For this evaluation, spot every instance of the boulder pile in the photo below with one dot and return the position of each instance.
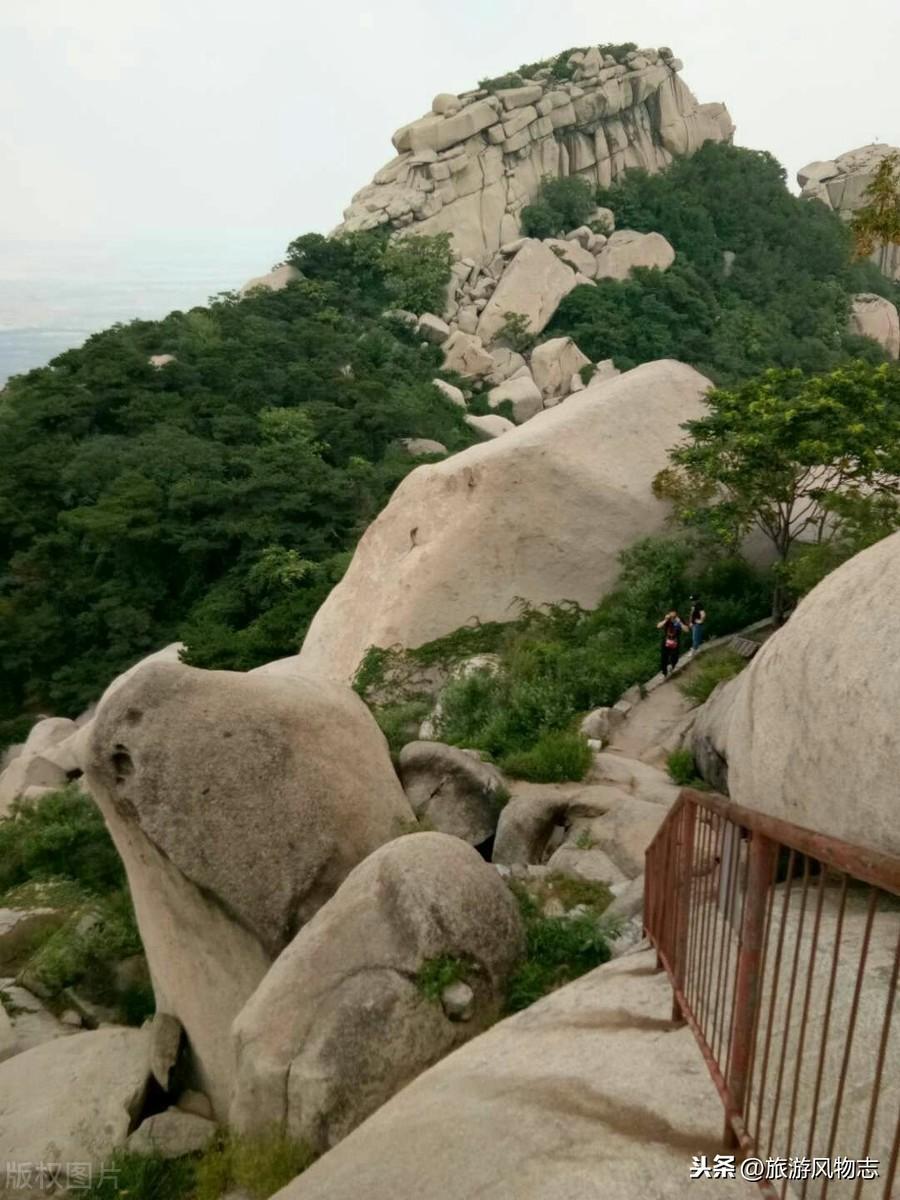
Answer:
(471, 163)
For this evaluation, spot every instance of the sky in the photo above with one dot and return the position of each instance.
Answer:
(224, 118)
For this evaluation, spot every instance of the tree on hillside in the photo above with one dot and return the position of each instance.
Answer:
(877, 223)
(799, 457)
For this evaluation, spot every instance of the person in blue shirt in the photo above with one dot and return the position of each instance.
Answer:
(697, 622)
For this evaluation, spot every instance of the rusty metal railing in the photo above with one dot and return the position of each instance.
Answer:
(783, 947)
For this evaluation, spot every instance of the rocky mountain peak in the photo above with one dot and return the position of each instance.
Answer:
(470, 164)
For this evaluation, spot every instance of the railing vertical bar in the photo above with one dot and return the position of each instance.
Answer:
(693, 929)
(826, 1024)
(790, 1002)
(728, 932)
(715, 925)
(776, 974)
(707, 870)
(851, 1027)
(747, 986)
(737, 953)
(683, 901)
(879, 1068)
(770, 905)
(804, 1016)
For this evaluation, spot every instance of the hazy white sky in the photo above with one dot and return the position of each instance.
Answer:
(135, 117)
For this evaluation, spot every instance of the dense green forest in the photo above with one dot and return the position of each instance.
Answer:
(214, 499)
(217, 499)
(761, 278)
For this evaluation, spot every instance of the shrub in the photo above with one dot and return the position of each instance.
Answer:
(417, 271)
(400, 722)
(435, 974)
(515, 333)
(555, 757)
(619, 51)
(560, 205)
(681, 768)
(499, 82)
(83, 953)
(557, 950)
(539, 220)
(713, 669)
(60, 835)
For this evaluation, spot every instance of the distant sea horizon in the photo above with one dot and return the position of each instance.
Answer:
(55, 294)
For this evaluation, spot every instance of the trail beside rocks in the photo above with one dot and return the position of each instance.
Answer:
(592, 1092)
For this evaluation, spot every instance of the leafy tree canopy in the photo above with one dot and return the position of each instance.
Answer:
(808, 459)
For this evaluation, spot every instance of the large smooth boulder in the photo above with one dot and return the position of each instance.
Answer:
(490, 426)
(808, 730)
(238, 804)
(874, 317)
(522, 393)
(532, 285)
(553, 364)
(453, 791)
(627, 249)
(465, 354)
(340, 1022)
(274, 281)
(540, 513)
(74, 1099)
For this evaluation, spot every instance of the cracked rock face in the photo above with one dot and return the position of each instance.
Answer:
(471, 164)
(342, 1021)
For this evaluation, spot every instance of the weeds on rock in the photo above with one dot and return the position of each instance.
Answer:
(713, 669)
(558, 950)
(56, 852)
(256, 1165)
(436, 974)
(260, 1164)
(400, 722)
(143, 1177)
(680, 765)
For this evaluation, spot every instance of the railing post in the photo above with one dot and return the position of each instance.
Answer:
(684, 865)
(760, 870)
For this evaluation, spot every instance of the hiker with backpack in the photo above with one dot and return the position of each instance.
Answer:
(671, 626)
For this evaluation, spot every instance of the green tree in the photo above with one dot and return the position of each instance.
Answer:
(876, 225)
(785, 453)
(561, 204)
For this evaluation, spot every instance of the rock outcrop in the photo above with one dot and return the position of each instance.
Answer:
(235, 803)
(451, 790)
(874, 317)
(840, 184)
(471, 164)
(341, 1022)
(273, 281)
(808, 731)
(73, 1100)
(540, 513)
